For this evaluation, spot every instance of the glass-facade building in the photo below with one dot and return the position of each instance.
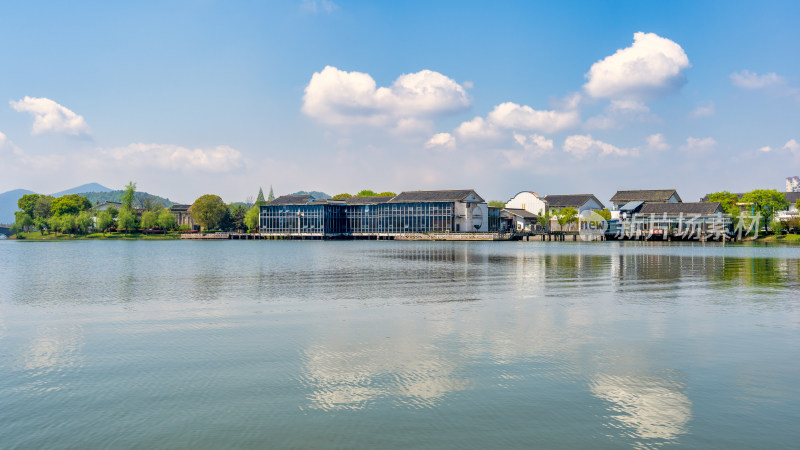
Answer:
(298, 215)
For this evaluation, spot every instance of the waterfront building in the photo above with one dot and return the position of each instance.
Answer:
(622, 198)
(106, 205)
(672, 221)
(529, 201)
(449, 211)
(581, 202)
(183, 216)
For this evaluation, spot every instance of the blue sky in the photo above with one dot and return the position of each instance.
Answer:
(188, 98)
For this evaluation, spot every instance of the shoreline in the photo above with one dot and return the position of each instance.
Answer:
(791, 239)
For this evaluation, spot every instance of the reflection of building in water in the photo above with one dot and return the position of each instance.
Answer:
(650, 407)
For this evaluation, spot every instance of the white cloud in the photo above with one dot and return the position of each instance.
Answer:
(173, 157)
(319, 6)
(534, 142)
(765, 149)
(338, 97)
(651, 65)
(751, 80)
(699, 145)
(792, 146)
(657, 142)
(513, 116)
(703, 110)
(477, 129)
(441, 140)
(468, 84)
(584, 145)
(534, 146)
(50, 117)
(3, 139)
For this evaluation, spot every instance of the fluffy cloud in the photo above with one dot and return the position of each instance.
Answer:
(3, 139)
(750, 80)
(699, 145)
(765, 149)
(337, 97)
(792, 146)
(657, 142)
(704, 110)
(174, 157)
(50, 117)
(441, 140)
(510, 116)
(650, 66)
(533, 148)
(513, 116)
(584, 145)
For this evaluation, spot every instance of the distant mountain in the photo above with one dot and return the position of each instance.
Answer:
(8, 204)
(91, 187)
(96, 193)
(315, 194)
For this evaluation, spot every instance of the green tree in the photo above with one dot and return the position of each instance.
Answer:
(237, 213)
(53, 223)
(166, 220)
(66, 223)
(84, 222)
(341, 196)
(260, 199)
(387, 194)
(126, 219)
(251, 218)
(104, 221)
(271, 195)
(497, 204)
(777, 227)
(367, 193)
(727, 200)
(113, 211)
(27, 202)
(70, 204)
(766, 202)
(22, 221)
(544, 220)
(797, 204)
(128, 195)
(566, 216)
(149, 219)
(208, 210)
(604, 213)
(43, 207)
(40, 223)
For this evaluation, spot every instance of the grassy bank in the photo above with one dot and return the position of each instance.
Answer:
(36, 236)
(784, 238)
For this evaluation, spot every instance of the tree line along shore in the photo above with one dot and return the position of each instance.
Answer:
(73, 216)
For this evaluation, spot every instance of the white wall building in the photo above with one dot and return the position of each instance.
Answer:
(529, 201)
(793, 184)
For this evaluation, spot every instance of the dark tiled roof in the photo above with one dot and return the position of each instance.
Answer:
(301, 199)
(575, 201)
(523, 213)
(179, 208)
(434, 196)
(674, 209)
(658, 195)
(366, 200)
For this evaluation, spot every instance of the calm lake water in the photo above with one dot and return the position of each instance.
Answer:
(398, 345)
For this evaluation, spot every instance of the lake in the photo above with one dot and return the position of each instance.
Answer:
(290, 344)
